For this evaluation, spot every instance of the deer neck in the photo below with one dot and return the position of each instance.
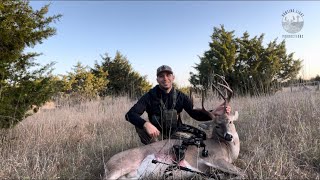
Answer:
(233, 147)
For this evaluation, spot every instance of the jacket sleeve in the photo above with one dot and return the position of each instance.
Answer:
(133, 115)
(196, 114)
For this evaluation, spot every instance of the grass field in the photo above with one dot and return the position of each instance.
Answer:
(280, 138)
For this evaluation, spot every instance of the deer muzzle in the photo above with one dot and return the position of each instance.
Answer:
(228, 137)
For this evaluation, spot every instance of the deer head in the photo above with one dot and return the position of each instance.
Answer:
(221, 125)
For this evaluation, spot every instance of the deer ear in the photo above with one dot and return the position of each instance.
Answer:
(235, 116)
(206, 125)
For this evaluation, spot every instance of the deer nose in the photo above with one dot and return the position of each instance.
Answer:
(228, 137)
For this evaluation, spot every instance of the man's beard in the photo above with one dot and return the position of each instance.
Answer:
(166, 87)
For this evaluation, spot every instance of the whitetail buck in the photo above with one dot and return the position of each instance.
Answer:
(223, 147)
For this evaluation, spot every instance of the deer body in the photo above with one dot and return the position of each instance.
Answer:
(136, 163)
(126, 164)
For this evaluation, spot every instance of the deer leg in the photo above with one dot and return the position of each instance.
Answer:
(117, 173)
(128, 169)
(121, 166)
(225, 166)
(130, 175)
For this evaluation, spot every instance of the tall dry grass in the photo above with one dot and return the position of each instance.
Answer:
(280, 138)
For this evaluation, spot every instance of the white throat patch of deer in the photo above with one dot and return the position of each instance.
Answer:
(222, 144)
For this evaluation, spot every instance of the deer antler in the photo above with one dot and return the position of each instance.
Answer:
(202, 96)
(196, 89)
(190, 95)
(202, 101)
(226, 97)
(229, 92)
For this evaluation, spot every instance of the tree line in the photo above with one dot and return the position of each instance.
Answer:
(112, 76)
(247, 65)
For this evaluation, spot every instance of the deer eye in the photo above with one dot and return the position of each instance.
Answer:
(217, 127)
(230, 122)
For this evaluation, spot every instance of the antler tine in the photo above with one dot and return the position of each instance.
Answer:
(223, 79)
(228, 95)
(202, 101)
(190, 95)
(227, 87)
(220, 93)
(224, 98)
(202, 96)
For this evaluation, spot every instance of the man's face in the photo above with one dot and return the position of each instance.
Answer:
(165, 80)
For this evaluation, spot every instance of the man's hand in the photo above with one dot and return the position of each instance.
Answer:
(152, 131)
(220, 110)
